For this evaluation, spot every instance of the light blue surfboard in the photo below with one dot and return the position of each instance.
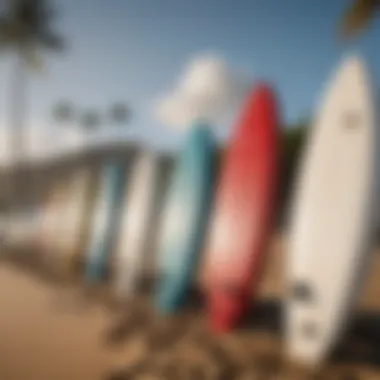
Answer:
(185, 218)
(106, 221)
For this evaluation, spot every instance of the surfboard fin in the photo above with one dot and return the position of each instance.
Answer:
(301, 291)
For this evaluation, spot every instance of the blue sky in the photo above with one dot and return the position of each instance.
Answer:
(134, 50)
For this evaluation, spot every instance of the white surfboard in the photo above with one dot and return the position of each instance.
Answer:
(73, 218)
(61, 219)
(136, 221)
(20, 230)
(333, 217)
(50, 219)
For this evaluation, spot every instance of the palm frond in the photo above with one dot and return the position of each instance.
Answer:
(120, 113)
(64, 111)
(28, 21)
(4, 33)
(52, 41)
(90, 120)
(358, 17)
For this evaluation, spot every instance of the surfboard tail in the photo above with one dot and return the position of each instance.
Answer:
(95, 271)
(170, 301)
(224, 312)
(172, 294)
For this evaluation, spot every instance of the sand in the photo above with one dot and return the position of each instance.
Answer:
(43, 335)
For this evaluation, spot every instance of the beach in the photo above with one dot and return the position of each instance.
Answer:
(45, 336)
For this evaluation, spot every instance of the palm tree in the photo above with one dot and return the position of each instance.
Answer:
(358, 17)
(120, 113)
(90, 120)
(24, 30)
(64, 112)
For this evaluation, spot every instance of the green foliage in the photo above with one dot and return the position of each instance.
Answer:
(26, 25)
(64, 111)
(120, 113)
(358, 17)
(90, 120)
(292, 142)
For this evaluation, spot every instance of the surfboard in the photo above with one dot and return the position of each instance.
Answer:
(149, 270)
(150, 267)
(332, 222)
(73, 220)
(137, 213)
(243, 211)
(21, 229)
(80, 242)
(48, 227)
(106, 220)
(184, 219)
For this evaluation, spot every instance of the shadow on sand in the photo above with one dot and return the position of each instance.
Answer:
(136, 316)
(359, 345)
(31, 262)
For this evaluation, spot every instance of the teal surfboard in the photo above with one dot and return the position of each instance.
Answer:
(185, 218)
(105, 226)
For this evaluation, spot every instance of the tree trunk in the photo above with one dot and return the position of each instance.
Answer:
(17, 184)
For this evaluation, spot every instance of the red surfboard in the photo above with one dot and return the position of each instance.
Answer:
(243, 211)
